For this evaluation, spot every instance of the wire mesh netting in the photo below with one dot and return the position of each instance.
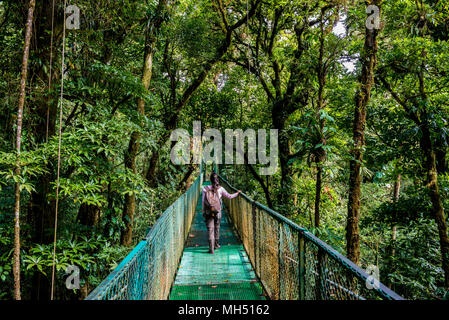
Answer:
(147, 273)
(292, 263)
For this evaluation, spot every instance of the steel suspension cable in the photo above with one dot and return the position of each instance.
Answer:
(61, 104)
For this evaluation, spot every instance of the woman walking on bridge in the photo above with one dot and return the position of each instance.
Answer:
(212, 209)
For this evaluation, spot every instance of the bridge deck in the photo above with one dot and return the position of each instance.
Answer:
(225, 275)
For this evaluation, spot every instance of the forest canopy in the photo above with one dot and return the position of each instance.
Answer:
(86, 116)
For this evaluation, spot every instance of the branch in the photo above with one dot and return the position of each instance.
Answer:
(223, 16)
(254, 173)
(254, 71)
(262, 184)
(191, 89)
(249, 15)
(118, 104)
(412, 115)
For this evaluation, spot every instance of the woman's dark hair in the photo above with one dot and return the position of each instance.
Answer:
(214, 181)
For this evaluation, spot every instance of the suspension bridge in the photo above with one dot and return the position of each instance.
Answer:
(263, 255)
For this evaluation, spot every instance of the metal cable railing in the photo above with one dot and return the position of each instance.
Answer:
(291, 262)
(147, 273)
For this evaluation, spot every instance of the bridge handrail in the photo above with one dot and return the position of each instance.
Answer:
(323, 250)
(147, 272)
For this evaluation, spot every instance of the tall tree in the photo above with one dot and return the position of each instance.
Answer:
(284, 79)
(23, 80)
(422, 106)
(322, 69)
(152, 29)
(368, 60)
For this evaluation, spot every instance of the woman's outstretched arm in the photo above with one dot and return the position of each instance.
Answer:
(229, 196)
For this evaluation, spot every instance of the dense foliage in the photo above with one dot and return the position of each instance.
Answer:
(136, 70)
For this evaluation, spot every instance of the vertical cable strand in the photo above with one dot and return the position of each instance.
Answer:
(61, 104)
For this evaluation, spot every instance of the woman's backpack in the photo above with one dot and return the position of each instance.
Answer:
(212, 202)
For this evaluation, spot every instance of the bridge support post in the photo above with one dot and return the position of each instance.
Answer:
(281, 260)
(255, 240)
(302, 266)
(320, 278)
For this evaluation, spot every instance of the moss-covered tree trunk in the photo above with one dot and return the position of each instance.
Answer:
(134, 142)
(366, 81)
(435, 197)
(17, 172)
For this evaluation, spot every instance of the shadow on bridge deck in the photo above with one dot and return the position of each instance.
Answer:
(225, 275)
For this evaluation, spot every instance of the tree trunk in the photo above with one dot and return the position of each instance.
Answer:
(285, 194)
(435, 197)
(153, 166)
(186, 181)
(88, 215)
(440, 153)
(129, 207)
(318, 186)
(17, 171)
(432, 176)
(396, 191)
(366, 80)
(320, 153)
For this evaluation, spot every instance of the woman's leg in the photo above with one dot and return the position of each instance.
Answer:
(210, 224)
(217, 230)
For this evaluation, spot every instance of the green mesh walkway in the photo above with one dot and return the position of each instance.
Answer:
(225, 275)
(230, 291)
